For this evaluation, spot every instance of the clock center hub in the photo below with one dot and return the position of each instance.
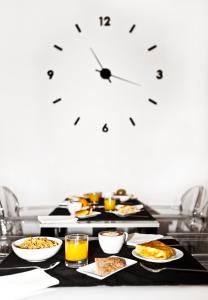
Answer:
(105, 73)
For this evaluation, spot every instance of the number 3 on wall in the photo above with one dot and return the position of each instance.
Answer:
(159, 74)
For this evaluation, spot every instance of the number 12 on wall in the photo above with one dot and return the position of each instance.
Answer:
(105, 21)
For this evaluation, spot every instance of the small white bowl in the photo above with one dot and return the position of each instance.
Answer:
(36, 255)
(122, 198)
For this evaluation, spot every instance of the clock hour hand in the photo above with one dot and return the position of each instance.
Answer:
(126, 80)
(95, 56)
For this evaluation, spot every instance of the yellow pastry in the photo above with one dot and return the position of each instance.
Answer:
(155, 250)
(83, 212)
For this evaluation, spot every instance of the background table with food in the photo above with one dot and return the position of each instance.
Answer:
(99, 210)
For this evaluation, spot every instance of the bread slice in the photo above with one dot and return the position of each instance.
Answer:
(105, 266)
(155, 250)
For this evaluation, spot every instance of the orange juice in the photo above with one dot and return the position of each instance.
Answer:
(94, 197)
(109, 204)
(76, 250)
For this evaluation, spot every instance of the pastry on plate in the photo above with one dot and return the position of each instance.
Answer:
(155, 250)
(105, 266)
(83, 212)
(128, 209)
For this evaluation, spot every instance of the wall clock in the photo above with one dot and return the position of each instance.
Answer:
(105, 72)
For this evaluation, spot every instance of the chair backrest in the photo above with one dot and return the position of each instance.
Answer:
(193, 200)
(10, 208)
(9, 202)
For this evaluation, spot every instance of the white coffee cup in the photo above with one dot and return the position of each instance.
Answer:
(111, 241)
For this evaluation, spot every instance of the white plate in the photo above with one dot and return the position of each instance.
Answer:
(93, 214)
(139, 207)
(178, 255)
(89, 270)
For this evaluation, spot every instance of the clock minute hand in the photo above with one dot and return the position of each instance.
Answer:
(95, 56)
(126, 80)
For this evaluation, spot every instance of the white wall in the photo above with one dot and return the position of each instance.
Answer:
(44, 157)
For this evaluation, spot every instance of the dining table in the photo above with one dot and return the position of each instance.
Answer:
(134, 275)
(141, 221)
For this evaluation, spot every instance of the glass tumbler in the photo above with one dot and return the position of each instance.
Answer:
(109, 204)
(76, 250)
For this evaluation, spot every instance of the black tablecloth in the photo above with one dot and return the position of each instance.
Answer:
(131, 276)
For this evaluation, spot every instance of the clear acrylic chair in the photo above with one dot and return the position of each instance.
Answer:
(190, 216)
(9, 209)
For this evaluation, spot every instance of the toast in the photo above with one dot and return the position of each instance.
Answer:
(105, 266)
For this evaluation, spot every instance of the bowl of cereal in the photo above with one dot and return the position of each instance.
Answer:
(36, 248)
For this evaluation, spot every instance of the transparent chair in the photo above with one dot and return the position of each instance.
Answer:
(190, 216)
(9, 210)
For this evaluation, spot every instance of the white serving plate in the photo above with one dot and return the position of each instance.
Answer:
(93, 214)
(178, 255)
(116, 212)
(89, 270)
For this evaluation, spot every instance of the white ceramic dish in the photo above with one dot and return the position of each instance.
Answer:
(93, 214)
(36, 255)
(89, 270)
(178, 255)
(123, 198)
(139, 207)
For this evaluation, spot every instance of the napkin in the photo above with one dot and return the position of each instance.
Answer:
(18, 286)
(140, 238)
(56, 219)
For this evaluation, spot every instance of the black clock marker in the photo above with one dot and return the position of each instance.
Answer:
(152, 48)
(57, 100)
(159, 74)
(132, 28)
(132, 121)
(105, 21)
(50, 74)
(78, 28)
(77, 120)
(105, 128)
(58, 48)
(152, 101)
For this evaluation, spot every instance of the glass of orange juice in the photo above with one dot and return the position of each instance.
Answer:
(76, 250)
(109, 203)
(95, 197)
